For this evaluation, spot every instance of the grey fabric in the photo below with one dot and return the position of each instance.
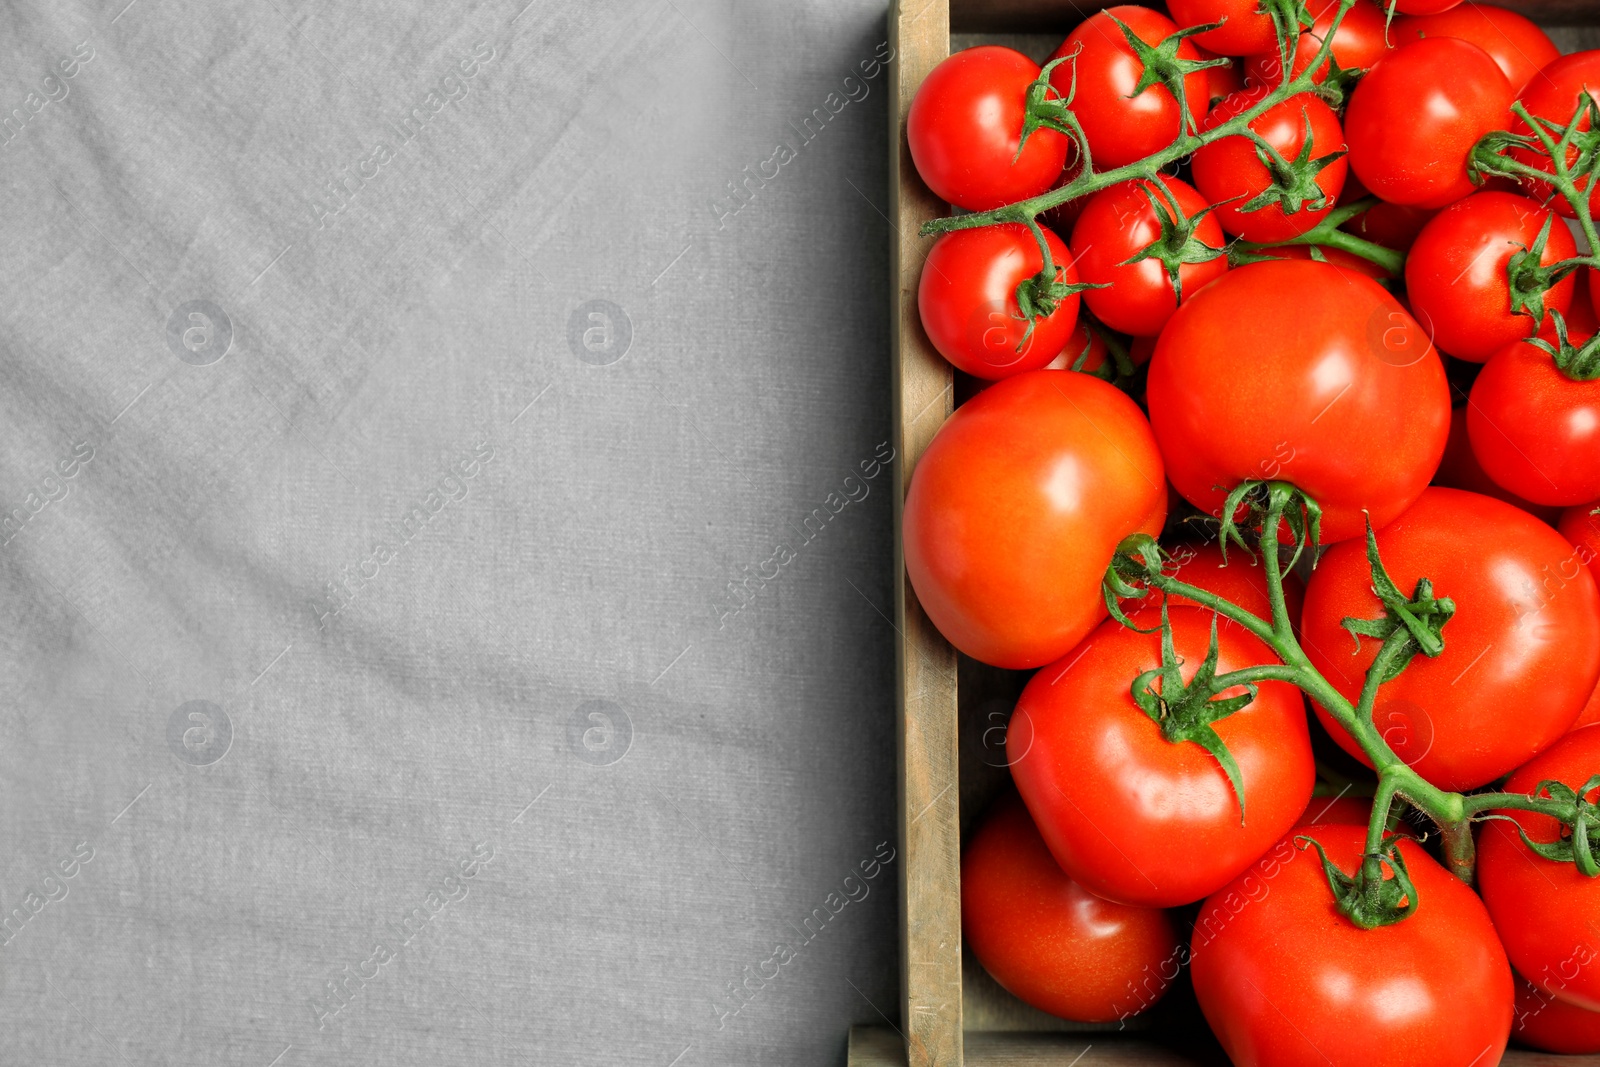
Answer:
(448, 531)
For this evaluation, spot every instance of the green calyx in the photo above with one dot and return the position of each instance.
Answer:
(1369, 899)
(1337, 83)
(1289, 17)
(1138, 560)
(1177, 245)
(1048, 110)
(1581, 363)
(1187, 712)
(1421, 616)
(1581, 822)
(1163, 67)
(1294, 182)
(1263, 505)
(1530, 279)
(1039, 296)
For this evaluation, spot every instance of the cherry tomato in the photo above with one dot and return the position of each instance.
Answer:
(1244, 30)
(1123, 128)
(1358, 43)
(1534, 430)
(1047, 940)
(968, 303)
(1545, 1023)
(1413, 120)
(1456, 272)
(1515, 42)
(1303, 372)
(1016, 507)
(1460, 470)
(1521, 655)
(1131, 816)
(1229, 172)
(1286, 981)
(1083, 342)
(965, 129)
(1119, 223)
(1553, 94)
(1545, 911)
(1393, 226)
(1221, 82)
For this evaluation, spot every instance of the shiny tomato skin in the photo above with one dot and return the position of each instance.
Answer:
(1244, 30)
(1456, 272)
(1513, 41)
(965, 127)
(1393, 226)
(1337, 256)
(1127, 814)
(1336, 811)
(1460, 470)
(1547, 1024)
(1412, 121)
(1228, 173)
(1122, 128)
(1245, 372)
(1358, 43)
(1545, 911)
(1521, 655)
(1286, 981)
(1115, 225)
(1534, 430)
(1047, 940)
(1016, 507)
(1553, 94)
(1581, 526)
(968, 304)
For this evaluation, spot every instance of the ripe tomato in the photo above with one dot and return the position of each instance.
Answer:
(1303, 372)
(1238, 579)
(1229, 172)
(1460, 470)
(1581, 526)
(1335, 811)
(1131, 816)
(1047, 940)
(1534, 430)
(1424, 7)
(1545, 911)
(1413, 120)
(1244, 30)
(967, 299)
(1516, 43)
(1553, 94)
(1221, 82)
(1337, 256)
(1016, 507)
(1286, 981)
(1119, 223)
(1358, 43)
(1545, 1023)
(1521, 655)
(965, 129)
(1456, 273)
(1123, 128)
(1393, 226)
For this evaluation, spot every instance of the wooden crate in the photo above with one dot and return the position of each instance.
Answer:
(950, 1010)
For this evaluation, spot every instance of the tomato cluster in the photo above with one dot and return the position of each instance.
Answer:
(1276, 457)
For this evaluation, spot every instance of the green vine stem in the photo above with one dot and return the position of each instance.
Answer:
(1327, 234)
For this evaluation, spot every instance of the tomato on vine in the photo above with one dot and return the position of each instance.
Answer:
(1358, 43)
(1553, 95)
(1514, 41)
(1245, 28)
(1536, 430)
(1460, 469)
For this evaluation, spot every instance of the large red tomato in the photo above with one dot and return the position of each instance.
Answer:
(1121, 127)
(1303, 372)
(1016, 507)
(1132, 816)
(965, 130)
(1358, 43)
(1047, 940)
(1552, 94)
(1460, 469)
(1120, 222)
(1229, 173)
(1546, 1023)
(967, 299)
(1244, 30)
(1545, 911)
(1521, 654)
(1536, 431)
(1515, 42)
(1286, 981)
(1413, 120)
(1456, 275)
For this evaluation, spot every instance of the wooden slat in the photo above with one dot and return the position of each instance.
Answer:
(930, 834)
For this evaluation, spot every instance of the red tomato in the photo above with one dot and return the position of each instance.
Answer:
(965, 129)
(1581, 526)
(1521, 655)
(1120, 222)
(1286, 981)
(1424, 7)
(1344, 396)
(1358, 43)
(1393, 226)
(1337, 256)
(1221, 82)
(1544, 1022)
(1553, 94)
(1460, 470)
(1545, 911)
(1240, 579)
(1244, 30)
(1047, 940)
(1016, 507)
(1534, 430)
(1413, 120)
(968, 303)
(1131, 816)
(1229, 172)
(1590, 713)
(1335, 811)
(1123, 128)
(1456, 272)
(1083, 342)
(1516, 43)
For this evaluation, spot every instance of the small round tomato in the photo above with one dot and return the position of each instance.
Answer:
(1413, 120)
(1301, 372)
(1545, 911)
(1581, 526)
(1515, 42)
(1016, 507)
(1521, 654)
(1286, 981)
(967, 299)
(965, 131)
(1456, 273)
(1049, 941)
(1134, 817)
(1244, 30)
(1358, 43)
(1460, 470)
(1534, 430)
(1229, 173)
(1121, 127)
(1552, 94)
(1545, 1023)
(1393, 226)
(1120, 222)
